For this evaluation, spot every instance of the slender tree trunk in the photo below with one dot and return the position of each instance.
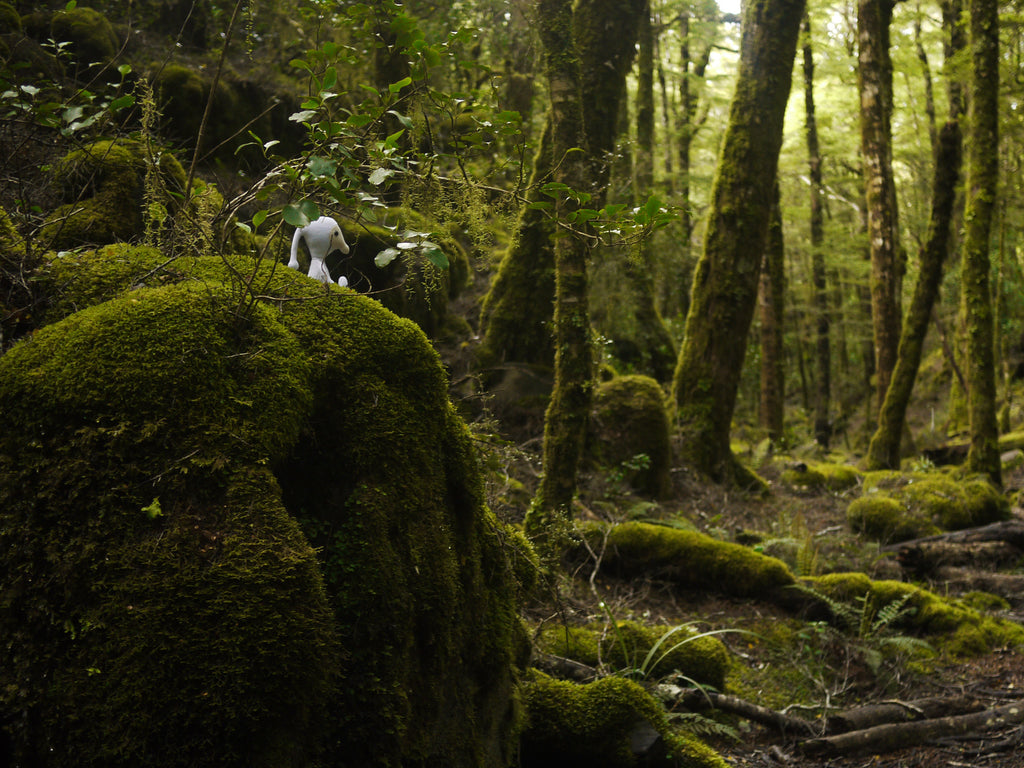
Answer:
(982, 182)
(725, 283)
(772, 298)
(875, 81)
(822, 347)
(565, 423)
(884, 450)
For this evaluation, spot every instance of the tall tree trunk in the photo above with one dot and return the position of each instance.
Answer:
(656, 349)
(516, 319)
(772, 298)
(822, 347)
(982, 182)
(725, 283)
(565, 422)
(875, 82)
(884, 450)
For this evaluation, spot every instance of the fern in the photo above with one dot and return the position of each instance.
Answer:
(702, 726)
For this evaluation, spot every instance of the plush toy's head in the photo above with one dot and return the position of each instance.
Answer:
(324, 236)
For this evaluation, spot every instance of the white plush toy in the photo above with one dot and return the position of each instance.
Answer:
(322, 237)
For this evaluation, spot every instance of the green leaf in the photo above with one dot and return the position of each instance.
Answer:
(322, 166)
(380, 175)
(300, 64)
(153, 510)
(121, 102)
(436, 257)
(300, 215)
(403, 119)
(385, 257)
(302, 117)
(330, 79)
(258, 218)
(552, 188)
(396, 87)
(358, 121)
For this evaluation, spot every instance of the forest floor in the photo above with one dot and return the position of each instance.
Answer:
(806, 670)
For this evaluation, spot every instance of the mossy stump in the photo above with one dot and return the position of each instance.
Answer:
(629, 431)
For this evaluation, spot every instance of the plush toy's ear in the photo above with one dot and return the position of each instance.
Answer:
(293, 262)
(338, 240)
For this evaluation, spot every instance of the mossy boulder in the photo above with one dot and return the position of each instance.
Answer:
(237, 534)
(90, 33)
(626, 647)
(104, 185)
(820, 476)
(593, 724)
(897, 507)
(883, 518)
(630, 432)
(10, 19)
(951, 625)
(691, 559)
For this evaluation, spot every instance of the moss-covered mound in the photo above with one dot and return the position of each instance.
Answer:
(951, 625)
(641, 649)
(92, 36)
(592, 725)
(692, 560)
(629, 431)
(897, 507)
(104, 185)
(820, 476)
(167, 459)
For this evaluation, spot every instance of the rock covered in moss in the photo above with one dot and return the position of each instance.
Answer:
(90, 33)
(649, 651)
(245, 535)
(592, 725)
(104, 184)
(897, 507)
(629, 431)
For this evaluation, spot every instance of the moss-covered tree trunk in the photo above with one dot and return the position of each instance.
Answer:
(982, 180)
(516, 319)
(566, 417)
(884, 450)
(656, 349)
(773, 292)
(875, 82)
(822, 346)
(725, 283)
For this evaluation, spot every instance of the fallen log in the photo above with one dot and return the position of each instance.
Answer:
(1008, 586)
(929, 556)
(889, 712)
(1010, 531)
(697, 701)
(894, 736)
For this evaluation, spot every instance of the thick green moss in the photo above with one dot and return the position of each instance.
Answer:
(881, 517)
(898, 506)
(625, 648)
(10, 19)
(630, 418)
(693, 560)
(104, 186)
(90, 32)
(951, 625)
(821, 476)
(591, 725)
(156, 451)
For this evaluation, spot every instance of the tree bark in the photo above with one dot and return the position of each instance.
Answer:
(875, 82)
(772, 297)
(822, 346)
(516, 318)
(889, 738)
(884, 449)
(725, 283)
(982, 181)
(547, 521)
